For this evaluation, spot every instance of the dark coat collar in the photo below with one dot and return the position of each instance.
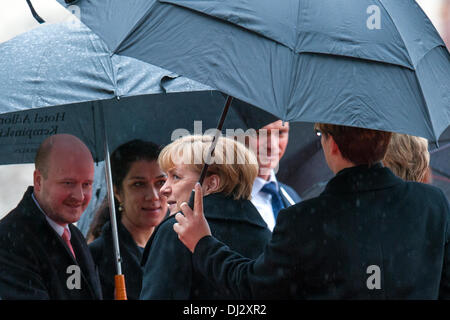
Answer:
(31, 212)
(220, 206)
(126, 239)
(38, 224)
(362, 178)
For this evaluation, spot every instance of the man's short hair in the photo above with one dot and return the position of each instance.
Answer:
(358, 145)
(42, 156)
(408, 157)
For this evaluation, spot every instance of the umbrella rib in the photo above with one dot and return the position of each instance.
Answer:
(445, 176)
(110, 65)
(34, 13)
(426, 108)
(401, 37)
(135, 26)
(440, 148)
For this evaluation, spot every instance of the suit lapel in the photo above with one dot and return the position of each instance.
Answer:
(287, 199)
(53, 242)
(80, 257)
(84, 260)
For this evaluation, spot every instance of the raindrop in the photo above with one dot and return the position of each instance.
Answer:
(280, 272)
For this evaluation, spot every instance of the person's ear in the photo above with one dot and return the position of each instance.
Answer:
(334, 148)
(428, 176)
(117, 194)
(211, 184)
(37, 180)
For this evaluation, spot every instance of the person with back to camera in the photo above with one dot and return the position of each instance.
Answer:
(369, 235)
(137, 179)
(168, 272)
(408, 158)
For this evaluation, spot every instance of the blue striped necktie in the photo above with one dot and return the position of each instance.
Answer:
(277, 201)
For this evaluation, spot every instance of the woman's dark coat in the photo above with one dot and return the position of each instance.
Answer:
(168, 272)
(102, 250)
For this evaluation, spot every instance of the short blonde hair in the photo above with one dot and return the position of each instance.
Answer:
(408, 157)
(236, 165)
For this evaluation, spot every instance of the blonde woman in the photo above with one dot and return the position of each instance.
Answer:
(408, 158)
(168, 272)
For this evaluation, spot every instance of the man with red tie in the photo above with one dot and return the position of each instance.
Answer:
(42, 254)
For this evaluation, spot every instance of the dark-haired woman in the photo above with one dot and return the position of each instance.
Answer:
(137, 179)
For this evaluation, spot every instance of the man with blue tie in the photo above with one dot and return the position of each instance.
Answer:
(269, 195)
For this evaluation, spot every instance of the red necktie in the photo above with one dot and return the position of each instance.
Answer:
(66, 239)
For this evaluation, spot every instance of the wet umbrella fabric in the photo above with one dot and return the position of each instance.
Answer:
(365, 63)
(57, 77)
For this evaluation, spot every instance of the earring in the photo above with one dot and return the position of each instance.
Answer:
(120, 207)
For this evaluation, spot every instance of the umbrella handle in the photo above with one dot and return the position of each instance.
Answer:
(34, 13)
(212, 147)
(191, 199)
(120, 292)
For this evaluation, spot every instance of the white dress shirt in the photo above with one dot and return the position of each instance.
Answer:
(263, 201)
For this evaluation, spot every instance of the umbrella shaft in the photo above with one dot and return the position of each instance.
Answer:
(215, 138)
(110, 191)
(112, 211)
(212, 147)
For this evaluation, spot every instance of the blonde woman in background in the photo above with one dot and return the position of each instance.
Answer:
(168, 272)
(408, 158)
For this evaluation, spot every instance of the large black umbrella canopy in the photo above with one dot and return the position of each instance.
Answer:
(61, 78)
(376, 64)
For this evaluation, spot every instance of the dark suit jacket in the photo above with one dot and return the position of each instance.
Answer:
(34, 259)
(102, 250)
(291, 192)
(329, 247)
(168, 272)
